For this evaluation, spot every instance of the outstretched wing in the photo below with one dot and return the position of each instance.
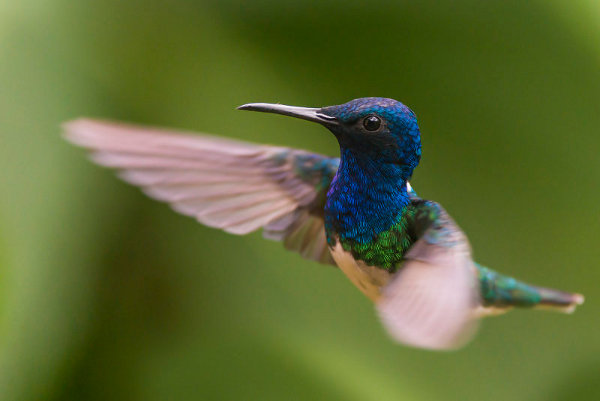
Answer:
(430, 301)
(232, 185)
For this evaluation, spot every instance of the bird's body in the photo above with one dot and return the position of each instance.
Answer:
(357, 212)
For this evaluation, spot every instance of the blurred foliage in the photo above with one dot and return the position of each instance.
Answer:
(107, 295)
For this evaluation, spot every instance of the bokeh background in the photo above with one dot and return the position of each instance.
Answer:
(107, 295)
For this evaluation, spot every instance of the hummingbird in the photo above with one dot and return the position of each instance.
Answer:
(357, 212)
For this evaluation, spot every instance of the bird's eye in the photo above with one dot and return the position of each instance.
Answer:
(372, 123)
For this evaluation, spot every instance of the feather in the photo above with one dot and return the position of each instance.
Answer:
(431, 301)
(228, 184)
(431, 305)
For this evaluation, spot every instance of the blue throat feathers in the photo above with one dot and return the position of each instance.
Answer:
(366, 198)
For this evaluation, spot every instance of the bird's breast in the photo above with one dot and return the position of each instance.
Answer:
(369, 279)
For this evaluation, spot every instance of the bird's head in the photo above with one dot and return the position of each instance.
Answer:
(376, 129)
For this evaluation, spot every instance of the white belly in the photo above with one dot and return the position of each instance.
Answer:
(370, 280)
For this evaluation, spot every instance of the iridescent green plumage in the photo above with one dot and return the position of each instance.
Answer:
(500, 291)
(388, 247)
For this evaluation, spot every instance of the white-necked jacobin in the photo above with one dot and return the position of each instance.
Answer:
(357, 212)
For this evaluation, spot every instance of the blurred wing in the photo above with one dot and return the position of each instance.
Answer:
(232, 185)
(430, 302)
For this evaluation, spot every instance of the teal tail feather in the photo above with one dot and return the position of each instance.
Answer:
(500, 292)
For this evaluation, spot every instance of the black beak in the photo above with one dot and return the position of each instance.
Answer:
(305, 113)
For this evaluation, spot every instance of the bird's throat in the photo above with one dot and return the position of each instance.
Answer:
(366, 198)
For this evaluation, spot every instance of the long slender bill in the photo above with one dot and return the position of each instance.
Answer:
(305, 113)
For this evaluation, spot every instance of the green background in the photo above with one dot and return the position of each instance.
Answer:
(107, 295)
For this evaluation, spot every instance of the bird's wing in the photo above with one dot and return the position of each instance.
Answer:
(430, 301)
(233, 185)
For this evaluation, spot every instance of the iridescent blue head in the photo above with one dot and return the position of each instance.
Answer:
(379, 129)
(373, 130)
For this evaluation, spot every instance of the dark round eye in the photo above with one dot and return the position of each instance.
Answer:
(372, 123)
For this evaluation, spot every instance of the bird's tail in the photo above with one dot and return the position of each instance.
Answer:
(499, 293)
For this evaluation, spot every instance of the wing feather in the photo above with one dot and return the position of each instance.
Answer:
(430, 301)
(232, 185)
